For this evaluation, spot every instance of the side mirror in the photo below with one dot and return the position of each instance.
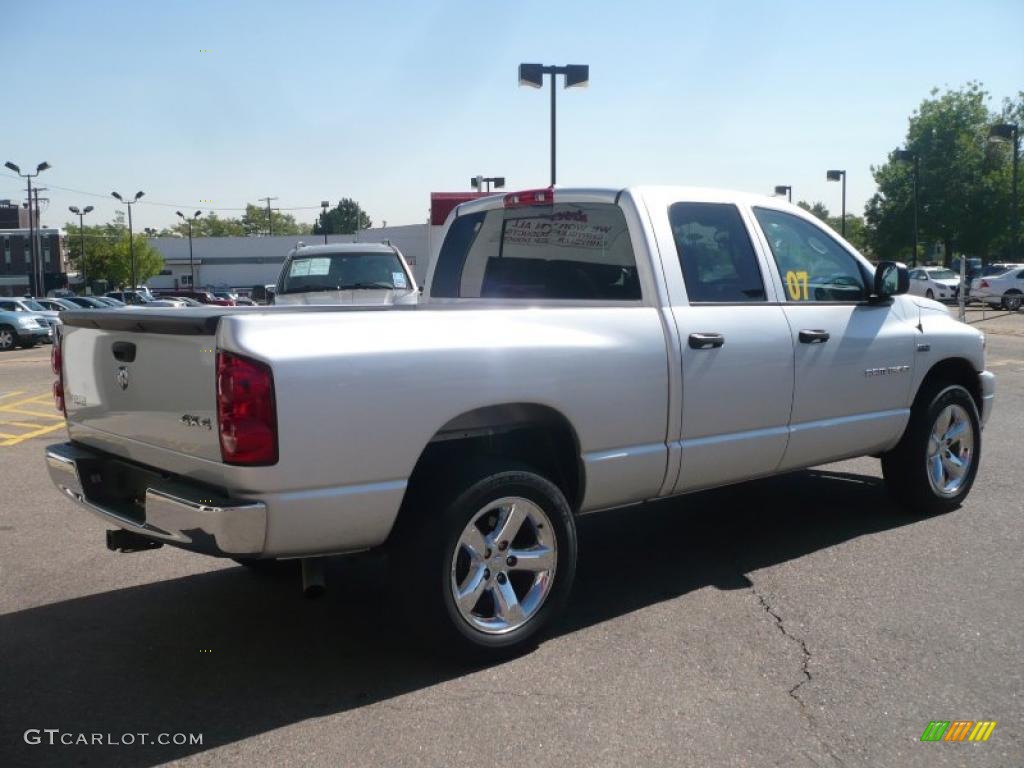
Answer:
(891, 279)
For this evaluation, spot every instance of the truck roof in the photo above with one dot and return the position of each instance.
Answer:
(313, 250)
(611, 194)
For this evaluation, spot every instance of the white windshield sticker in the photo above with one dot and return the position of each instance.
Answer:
(398, 279)
(319, 266)
(300, 268)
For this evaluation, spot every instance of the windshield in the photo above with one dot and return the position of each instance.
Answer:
(943, 274)
(35, 306)
(341, 271)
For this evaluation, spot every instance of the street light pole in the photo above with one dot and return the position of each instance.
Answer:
(1011, 131)
(191, 267)
(533, 76)
(782, 189)
(131, 239)
(478, 181)
(835, 176)
(907, 156)
(31, 227)
(81, 230)
(324, 204)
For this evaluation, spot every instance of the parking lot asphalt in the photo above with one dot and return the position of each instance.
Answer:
(798, 621)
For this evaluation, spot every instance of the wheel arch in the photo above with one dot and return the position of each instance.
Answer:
(957, 370)
(521, 432)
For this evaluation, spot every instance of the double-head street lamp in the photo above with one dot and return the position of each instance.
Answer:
(477, 182)
(576, 75)
(191, 268)
(782, 189)
(81, 229)
(836, 176)
(37, 280)
(1011, 132)
(908, 156)
(131, 240)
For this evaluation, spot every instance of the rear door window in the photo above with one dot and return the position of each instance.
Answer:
(715, 253)
(576, 251)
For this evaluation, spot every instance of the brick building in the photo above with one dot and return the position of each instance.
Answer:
(16, 260)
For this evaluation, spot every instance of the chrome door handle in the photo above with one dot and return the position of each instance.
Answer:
(706, 340)
(813, 337)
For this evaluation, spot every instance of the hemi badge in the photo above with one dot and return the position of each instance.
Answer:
(924, 347)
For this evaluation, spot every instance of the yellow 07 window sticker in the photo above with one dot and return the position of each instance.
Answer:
(796, 285)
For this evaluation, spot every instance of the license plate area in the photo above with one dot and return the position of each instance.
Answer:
(117, 486)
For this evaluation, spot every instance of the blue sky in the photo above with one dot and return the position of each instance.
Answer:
(387, 101)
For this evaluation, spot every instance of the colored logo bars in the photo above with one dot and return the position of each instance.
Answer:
(958, 730)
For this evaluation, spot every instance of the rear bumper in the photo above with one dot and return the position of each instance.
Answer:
(988, 394)
(166, 508)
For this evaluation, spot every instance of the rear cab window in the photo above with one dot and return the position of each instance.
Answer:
(566, 251)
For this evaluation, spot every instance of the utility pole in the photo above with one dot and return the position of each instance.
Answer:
(270, 216)
(40, 266)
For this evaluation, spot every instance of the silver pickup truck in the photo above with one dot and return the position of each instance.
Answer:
(575, 350)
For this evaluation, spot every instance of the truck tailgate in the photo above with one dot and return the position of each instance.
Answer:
(129, 374)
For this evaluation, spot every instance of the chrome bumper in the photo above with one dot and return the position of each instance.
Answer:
(169, 509)
(988, 394)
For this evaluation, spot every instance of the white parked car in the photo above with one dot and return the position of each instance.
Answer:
(575, 350)
(939, 283)
(1004, 290)
(346, 273)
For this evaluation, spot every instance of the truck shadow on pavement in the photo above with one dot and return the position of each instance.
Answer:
(232, 654)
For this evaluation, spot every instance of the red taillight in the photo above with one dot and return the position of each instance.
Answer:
(530, 197)
(57, 366)
(984, 284)
(246, 411)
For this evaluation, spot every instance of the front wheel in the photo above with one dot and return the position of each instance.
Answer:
(484, 574)
(933, 467)
(1012, 302)
(929, 294)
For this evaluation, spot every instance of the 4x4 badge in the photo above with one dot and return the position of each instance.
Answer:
(122, 377)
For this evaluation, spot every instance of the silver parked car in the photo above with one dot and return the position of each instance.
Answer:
(23, 329)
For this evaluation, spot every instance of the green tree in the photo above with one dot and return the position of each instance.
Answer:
(963, 188)
(346, 218)
(108, 254)
(254, 222)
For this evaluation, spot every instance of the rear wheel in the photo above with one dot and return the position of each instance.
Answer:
(7, 337)
(486, 571)
(933, 467)
(1012, 300)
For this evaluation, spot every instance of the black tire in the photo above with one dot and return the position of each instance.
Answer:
(28, 344)
(8, 338)
(905, 467)
(1011, 301)
(929, 294)
(424, 551)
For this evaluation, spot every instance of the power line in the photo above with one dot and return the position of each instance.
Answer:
(169, 205)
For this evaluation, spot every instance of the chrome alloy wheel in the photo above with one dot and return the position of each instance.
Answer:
(6, 339)
(950, 450)
(504, 565)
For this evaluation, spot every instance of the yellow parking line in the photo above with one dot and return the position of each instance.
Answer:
(28, 424)
(4, 434)
(22, 401)
(32, 413)
(30, 435)
(11, 394)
